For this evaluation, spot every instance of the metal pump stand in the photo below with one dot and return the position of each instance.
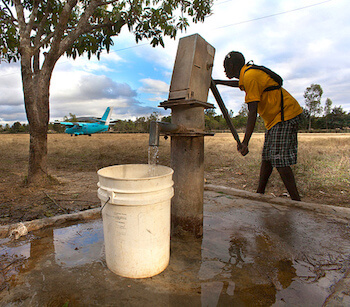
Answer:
(187, 100)
(187, 161)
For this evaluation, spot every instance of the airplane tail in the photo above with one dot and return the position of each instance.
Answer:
(107, 116)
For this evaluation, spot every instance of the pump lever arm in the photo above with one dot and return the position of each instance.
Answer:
(224, 111)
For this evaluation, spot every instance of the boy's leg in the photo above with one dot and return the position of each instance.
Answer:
(265, 172)
(288, 179)
(285, 146)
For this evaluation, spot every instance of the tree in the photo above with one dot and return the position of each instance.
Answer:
(327, 110)
(141, 124)
(166, 119)
(154, 117)
(242, 117)
(339, 118)
(72, 118)
(312, 97)
(209, 119)
(243, 110)
(38, 33)
(17, 127)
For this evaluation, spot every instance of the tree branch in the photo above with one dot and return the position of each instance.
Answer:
(82, 27)
(8, 9)
(38, 43)
(54, 54)
(32, 17)
(108, 2)
(20, 16)
(62, 23)
(36, 62)
(99, 26)
(24, 49)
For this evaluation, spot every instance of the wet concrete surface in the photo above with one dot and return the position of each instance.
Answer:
(252, 254)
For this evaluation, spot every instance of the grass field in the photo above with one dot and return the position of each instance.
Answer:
(322, 172)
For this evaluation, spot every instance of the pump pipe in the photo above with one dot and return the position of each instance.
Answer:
(224, 111)
(156, 128)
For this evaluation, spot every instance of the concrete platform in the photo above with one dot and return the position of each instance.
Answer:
(255, 251)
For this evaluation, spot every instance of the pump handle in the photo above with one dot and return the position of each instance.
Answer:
(224, 111)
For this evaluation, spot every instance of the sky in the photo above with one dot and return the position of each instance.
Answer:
(305, 41)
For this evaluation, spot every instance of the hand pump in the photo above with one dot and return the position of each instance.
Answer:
(224, 111)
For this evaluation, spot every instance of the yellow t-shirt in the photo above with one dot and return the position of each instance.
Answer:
(253, 82)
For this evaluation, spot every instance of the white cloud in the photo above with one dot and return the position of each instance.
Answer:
(82, 64)
(11, 85)
(154, 86)
(157, 89)
(303, 44)
(86, 94)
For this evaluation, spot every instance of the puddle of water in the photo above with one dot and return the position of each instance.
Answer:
(13, 257)
(251, 254)
(79, 244)
(293, 256)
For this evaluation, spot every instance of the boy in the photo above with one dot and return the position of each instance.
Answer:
(280, 112)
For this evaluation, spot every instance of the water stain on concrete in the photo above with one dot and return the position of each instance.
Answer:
(251, 254)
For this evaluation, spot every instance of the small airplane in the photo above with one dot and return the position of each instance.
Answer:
(80, 128)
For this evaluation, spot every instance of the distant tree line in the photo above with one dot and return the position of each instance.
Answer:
(17, 127)
(315, 117)
(140, 125)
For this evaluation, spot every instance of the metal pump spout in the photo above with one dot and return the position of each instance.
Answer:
(156, 128)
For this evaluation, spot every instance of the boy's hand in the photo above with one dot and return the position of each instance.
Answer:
(243, 149)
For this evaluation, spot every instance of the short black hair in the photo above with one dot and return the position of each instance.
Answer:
(236, 58)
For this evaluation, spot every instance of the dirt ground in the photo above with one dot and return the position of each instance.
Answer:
(74, 163)
(76, 191)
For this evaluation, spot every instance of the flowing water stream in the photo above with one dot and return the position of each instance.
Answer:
(153, 159)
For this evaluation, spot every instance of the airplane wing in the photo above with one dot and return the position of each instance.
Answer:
(69, 124)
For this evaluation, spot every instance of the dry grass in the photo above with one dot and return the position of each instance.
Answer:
(322, 172)
(324, 165)
(86, 153)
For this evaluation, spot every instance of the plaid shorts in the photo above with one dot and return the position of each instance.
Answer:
(281, 143)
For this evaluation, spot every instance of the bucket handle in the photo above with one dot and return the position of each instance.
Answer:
(105, 204)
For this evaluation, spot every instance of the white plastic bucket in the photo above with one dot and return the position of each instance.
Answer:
(135, 200)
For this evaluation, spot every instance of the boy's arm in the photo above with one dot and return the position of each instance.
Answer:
(232, 83)
(253, 108)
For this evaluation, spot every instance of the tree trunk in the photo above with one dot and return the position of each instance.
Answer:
(37, 169)
(36, 99)
(36, 77)
(309, 123)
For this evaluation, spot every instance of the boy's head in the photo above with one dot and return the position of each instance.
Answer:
(233, 63)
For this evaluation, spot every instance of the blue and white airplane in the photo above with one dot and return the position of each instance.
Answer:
(80, 128)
